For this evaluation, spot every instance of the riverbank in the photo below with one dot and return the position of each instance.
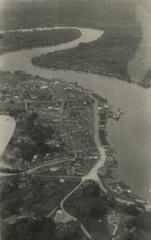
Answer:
(108, 55)
(19, 40)
(119, 94)
(36, 160)
(76, 108)
(104, 172)
(26, 186)
(108, 169)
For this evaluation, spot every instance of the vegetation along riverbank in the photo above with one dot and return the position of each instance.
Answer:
(109, 55)
(12, 41)
(51, 143)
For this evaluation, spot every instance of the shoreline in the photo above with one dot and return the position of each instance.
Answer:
(122, 190)
(97, 172)
(24, 39)
(87, 69)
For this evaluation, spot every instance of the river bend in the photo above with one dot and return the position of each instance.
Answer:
(131, 136)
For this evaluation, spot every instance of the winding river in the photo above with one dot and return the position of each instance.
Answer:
(131, 136)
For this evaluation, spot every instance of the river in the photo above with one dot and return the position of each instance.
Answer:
(141, 63)
(131, 136)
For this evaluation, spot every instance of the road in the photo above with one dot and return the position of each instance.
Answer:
(114, 221)
(58, 176)
(93, 173)
(69, 215)
(45, 164)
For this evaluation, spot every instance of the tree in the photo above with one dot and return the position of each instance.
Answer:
(40, 228)
(98, 208)
(90, 189)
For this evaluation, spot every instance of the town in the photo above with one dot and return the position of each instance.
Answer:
(54, 123)
(53, 148)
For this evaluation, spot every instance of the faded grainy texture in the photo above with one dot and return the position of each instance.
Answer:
(75, 120)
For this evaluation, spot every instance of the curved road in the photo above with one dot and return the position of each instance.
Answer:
(25, 65)
(93, 173)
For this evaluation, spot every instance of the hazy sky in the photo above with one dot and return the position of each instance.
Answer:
(145, 3)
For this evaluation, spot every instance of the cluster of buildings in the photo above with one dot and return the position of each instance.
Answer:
(42, 104)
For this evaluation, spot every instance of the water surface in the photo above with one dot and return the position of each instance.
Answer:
(131, 136)
(141, 63)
